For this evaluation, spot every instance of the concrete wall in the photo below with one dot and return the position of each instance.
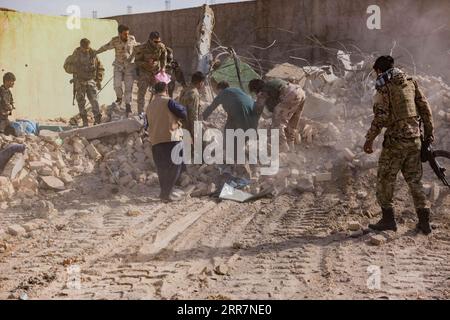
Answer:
(420, 27)
(34, 48)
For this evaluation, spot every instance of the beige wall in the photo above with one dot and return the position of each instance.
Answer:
(34, 48)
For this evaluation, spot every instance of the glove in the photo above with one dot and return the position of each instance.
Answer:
(429, 140)
(99, 85)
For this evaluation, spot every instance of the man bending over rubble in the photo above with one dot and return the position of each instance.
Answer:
(6, 103)
(285, 100)
(165, 133)
(238, 106)
(399, 104)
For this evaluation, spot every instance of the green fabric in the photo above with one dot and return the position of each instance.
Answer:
(227, 72)
(239, 108)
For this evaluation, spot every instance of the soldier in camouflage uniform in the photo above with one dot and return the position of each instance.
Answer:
(190, 98)
(399, 104)
(124, 67)
(6, 103)
(286, 102)
(151, 58)
(88, 75)
(175, 72)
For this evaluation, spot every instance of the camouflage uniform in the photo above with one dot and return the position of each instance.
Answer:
(286, 101)
(124, 67)
(150, 59)
(399, 106)
(190, 98)
(88, 72)
(175, 72)
(6, 107)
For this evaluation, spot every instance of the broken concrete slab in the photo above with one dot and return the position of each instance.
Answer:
(53, 183)
(105, 129)
(288, 72)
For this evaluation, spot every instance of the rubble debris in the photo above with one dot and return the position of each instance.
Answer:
(377, 240)
(52, 182)
(16, 230)
(323, 177)
(134, 213)
(354, 226)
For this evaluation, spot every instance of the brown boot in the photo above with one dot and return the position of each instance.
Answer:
(387, 222)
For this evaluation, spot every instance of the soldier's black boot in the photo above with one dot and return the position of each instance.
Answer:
(117, 103)
(128, 109)
(387, 222)
(98, 119)
(85, 121)
(424, 220)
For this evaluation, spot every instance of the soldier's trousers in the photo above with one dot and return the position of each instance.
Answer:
(124, 75)
(5, 126)
(401, 156)
(146, 81)
(88, 89)
(286, 115)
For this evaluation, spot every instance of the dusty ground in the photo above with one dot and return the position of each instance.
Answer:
(290, 247)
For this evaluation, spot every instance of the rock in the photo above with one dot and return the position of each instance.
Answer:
(16, 230)
(348, 154)
(52, 183)
(377, 240)
(93, 152)
(78, 146)
(361, 194)
(305, 183)
(45, 171)
(221, 269)
(319, 107)
(125, 180)
(323, 177)
(134, 213)
(66, 178)
(30, 226)
(3, 234)
(354, 226)
(14, 166)
(36, 165)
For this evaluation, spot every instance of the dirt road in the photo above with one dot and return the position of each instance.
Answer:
(288, 247)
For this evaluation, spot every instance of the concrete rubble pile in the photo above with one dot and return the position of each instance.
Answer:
(336, 117)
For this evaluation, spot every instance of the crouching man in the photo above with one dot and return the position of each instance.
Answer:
(164, 127)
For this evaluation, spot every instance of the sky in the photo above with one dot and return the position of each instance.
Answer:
(104, 8)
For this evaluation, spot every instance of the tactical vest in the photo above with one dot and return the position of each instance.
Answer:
(86, 66)
(402, 100)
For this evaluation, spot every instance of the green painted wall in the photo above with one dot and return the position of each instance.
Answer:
(34, 48)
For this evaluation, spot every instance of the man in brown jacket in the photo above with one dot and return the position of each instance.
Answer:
(165, 133)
